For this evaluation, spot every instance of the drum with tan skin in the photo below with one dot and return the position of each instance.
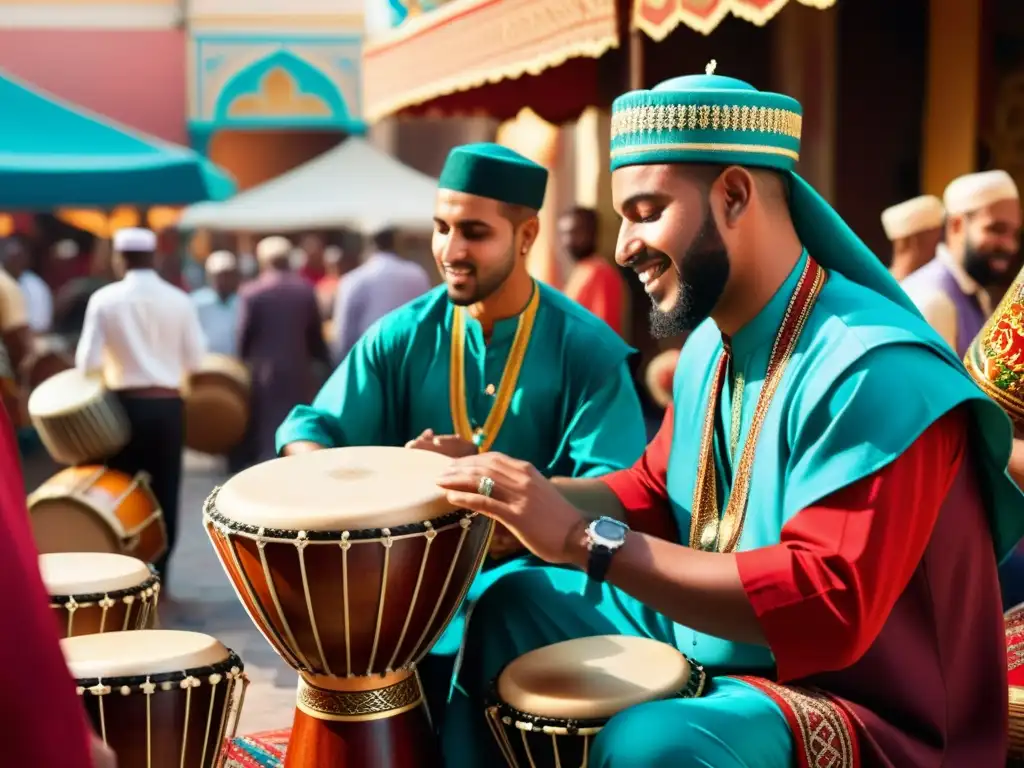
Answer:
(216, 405)
(93, 592)
(96, 509)
(77, 419)
(159, 698)
(549, 704)
(351, 563)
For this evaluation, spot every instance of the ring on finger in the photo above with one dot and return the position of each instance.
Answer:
(486, 486)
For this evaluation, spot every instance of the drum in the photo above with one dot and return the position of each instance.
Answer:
(159, 698)
(351, 563)
(48, 357)
(96, 509)
(77, 419)
(92, 592)
(547, 705)
(216, 405)
(1014, 619)
(995, 358)
(659, 375)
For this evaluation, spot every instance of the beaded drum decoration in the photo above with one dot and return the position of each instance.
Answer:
(539, 723)
(159, 698)
(995, 358)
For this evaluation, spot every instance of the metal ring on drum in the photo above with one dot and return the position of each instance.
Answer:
(351, 563)
(538, 726)
(159, 697)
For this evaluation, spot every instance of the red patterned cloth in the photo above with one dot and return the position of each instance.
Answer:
(1015, 645)
(260, 750)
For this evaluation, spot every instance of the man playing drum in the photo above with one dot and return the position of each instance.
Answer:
(827, 602)
(490, 350)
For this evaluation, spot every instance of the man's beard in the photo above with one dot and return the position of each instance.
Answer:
(702, 275)
(486, 285)
(978, 265)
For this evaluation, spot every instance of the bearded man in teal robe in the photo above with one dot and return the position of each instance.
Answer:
(492, 359)
(819, 520)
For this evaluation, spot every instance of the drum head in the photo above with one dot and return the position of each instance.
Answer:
(338, 489)
(91, 573)
(140, 652)
(63, 392)
(593, 678)
(68, 525)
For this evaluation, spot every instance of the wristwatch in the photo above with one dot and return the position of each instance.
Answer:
(604, 538)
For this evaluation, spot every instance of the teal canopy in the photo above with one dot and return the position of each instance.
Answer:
(54, 154)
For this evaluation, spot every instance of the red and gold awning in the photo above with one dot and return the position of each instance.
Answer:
(659, 17)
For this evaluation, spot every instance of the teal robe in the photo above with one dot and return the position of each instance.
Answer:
(575, 412)
(866, 379)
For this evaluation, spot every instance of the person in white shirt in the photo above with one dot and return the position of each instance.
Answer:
(914, 227)
(217, 303)
(38, 296)
(142, 334)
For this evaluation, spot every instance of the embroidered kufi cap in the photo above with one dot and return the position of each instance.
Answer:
(273, 249)
(134, 240)
(723, 121)
(496, 172)
(219, 262)
(976, 190)
(919, 214)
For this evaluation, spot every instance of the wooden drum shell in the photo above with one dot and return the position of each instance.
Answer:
(351, 603)
(217, 406)
(113, 513)
(124, 609)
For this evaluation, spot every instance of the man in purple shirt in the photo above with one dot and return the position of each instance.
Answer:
(382, 283)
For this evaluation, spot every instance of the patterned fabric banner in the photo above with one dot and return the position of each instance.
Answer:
(657, 18)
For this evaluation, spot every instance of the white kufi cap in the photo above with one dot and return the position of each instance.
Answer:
(134, 240)
(273, 248)
(919, 214)
(220, 261)
(976, 190)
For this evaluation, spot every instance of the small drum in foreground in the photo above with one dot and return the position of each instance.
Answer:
(549, 704)
(96, 509)
(159, 698)
(995, 358)
(92, 592)
(217, 405)
(351, 563)
(77, 419)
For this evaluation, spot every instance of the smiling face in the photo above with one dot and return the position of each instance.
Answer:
(987, 241)
(669, 237)
(476, 244)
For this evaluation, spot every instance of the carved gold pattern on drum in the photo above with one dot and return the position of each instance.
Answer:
(360, 705)
(995, 358)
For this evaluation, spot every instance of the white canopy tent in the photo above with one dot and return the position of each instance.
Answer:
(353, 185)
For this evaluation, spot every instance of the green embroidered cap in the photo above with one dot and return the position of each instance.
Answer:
(497, 172)
(723, 121)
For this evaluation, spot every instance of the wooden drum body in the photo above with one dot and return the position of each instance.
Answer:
(159, 698)
(548, 704)
(49, 356)
(217, 405)
(77, 419)
(96, 509)
(995, 358)
(93, 592)
(351, 563)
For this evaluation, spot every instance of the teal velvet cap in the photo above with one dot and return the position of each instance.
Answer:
(723, 121)
(497, 172)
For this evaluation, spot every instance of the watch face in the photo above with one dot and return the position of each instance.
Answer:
(610, 530)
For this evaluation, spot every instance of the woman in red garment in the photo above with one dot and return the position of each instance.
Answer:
(43, 723)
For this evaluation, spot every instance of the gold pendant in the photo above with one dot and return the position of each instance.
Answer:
(708, 536)
(725, 529)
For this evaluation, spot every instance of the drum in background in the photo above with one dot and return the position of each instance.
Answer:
(217, 405)
(995, 358)
(659, 375)
(49, 356)
(351, 563)
(92, 592)
(159, 698)
(548, 705)
(78, 420)
(96, 509)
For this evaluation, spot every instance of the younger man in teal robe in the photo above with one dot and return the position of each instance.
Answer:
(818, 521)
(540, 378)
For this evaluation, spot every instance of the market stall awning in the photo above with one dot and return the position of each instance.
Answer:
(54, 155)
(494, 57)
(429, 62)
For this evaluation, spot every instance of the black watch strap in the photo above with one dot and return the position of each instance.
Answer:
(598, 562)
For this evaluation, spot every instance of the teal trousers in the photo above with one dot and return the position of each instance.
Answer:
(732, 726)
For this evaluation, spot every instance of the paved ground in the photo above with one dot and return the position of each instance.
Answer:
(205, 602)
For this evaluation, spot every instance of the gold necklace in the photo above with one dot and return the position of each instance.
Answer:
(485, 436)
(709, 531)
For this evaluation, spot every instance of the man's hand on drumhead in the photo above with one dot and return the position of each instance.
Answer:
(521, 499)
(452, 446)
